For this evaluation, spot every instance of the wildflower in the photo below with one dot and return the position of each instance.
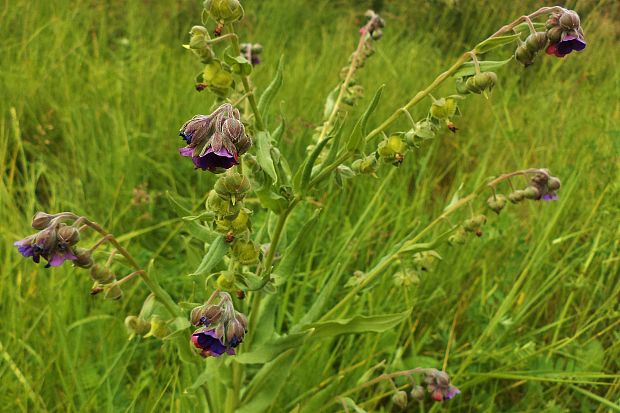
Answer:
(53, 243)
(543, 186)
(439, 386)
(565, 33)
(215, 141)
(222, 328)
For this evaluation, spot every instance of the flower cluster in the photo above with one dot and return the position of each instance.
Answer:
(221, 330)
(55, 242)
(439, 386)
(564, 33)
(215, 141)
(542, 186)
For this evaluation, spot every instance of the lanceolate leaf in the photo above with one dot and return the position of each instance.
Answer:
(468, 68)
(359, 131)
(494, 42)
(214, 255)
(263, 154)
(307, 171)
(270, 92)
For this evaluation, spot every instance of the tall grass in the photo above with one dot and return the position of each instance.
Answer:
(525, 318)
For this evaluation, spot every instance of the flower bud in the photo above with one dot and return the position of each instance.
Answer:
(225, 11)
(366, 165)
(524, 56)
(553, 183)
(222, 206)
(516, 196)
(226, 280)
(569, 20)
(245, 252)
(481, 82)
(553, 20)
(41, 220)
(417, 393)
(137, 325)
(69, 234)
(536, 42)
(554, 34)
(159, 329)
(83, 258)
(232, 185)
(400, 399)
(531, 192)
(102, 275)
(206, 314)
(474, 223)
(461, 86)
(406, 278)
(112, 292)
(458, 238)
(496, 203)
(236, 329)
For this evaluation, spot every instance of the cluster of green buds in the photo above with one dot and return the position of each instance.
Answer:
(412, 268)
(232, 219)
(527, 51)
(199, 44)
(542, 186)
(223, 11)
(478, 83)
(152, 321)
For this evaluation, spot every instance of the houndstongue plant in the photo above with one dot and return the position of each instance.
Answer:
(236, 142)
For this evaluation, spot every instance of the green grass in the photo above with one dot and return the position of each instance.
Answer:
(91, 98)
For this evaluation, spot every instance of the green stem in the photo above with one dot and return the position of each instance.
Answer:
(258, 120)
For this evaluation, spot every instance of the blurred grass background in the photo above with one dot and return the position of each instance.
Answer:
(92, 95)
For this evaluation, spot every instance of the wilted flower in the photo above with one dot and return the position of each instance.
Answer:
(214, 142)
(53, 243)
(439, 386)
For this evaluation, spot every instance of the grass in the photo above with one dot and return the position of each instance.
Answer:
(524, 318)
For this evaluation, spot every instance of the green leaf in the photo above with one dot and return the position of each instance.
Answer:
(330, 101)
(180, 209)
(292, 253)
(214, 255)
(359, 131)
(494, 42)
(272, 348)
(270, 92)
(275, 202)
(468, 69)
(263, 154)
(336, 132)
(238, 64)
(350, 403)
(307, 170)
(178, 326)
(357, 324)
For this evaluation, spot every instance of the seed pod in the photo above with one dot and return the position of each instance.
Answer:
(113, 292)
(69, 234)
(137, 325)
(245, 252)
(222, 207)
(400, 399)
(555, 34)
(366, 165)
(516, 196)
(458, 238)
(474, 223)
(83, 258)
(531, 192)
(481, 82)
(41, 220)
(554, 183)
(496, 203)
(417, 393)
(102, 275)
(225, 11)
(232, 184)
(461, 86)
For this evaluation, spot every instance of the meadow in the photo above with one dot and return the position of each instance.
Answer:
(525, 318)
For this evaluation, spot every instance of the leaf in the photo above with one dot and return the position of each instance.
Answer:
(270, 92)
(359, 131)
(214, 255)
(178, 326)
(350, 403)
(273, 348)
(275, 202)
(455, 197)
(292, 253)
(336, 132)
(238, 64)
(180, 209)
(330, 101)
(468, 69)
(494, 42)
(263, 154)
(307, 170)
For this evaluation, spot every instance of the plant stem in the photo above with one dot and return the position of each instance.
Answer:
(382, 377)
(258, 120)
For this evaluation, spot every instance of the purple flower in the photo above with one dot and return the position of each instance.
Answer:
(209, 341)
(46, 244)
(438, 384)
(570, 42)
(550, 196)
(214, 142)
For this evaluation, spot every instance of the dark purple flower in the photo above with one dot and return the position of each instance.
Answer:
(211, 160)
(209, 341)
(438, 384)
(570, 42)
(550, 196)
(53, 243)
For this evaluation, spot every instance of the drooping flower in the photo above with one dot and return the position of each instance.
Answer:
(53, 243)
(210, 342)
(439, 386)
(565, 33)
(215, 141)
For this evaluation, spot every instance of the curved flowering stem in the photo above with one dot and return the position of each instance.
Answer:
(258, 120)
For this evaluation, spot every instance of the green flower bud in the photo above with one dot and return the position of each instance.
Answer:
(481, 82)
(531, 192)
(232, 185)
(536, 42)
(554, 34)
(569, 20)
(474, 223)
(516, 196)
(222, 207)
(70, 235)
(524, 56)
(400, 399)
(366, 165)
(101, 275)
(554, 183)
(245, 252)
(137, 325)
(41, 220)
(226, 280)
(225, 11)
(496, 203)
(159, 329)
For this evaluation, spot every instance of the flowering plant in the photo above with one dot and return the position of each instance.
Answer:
(238, 142)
